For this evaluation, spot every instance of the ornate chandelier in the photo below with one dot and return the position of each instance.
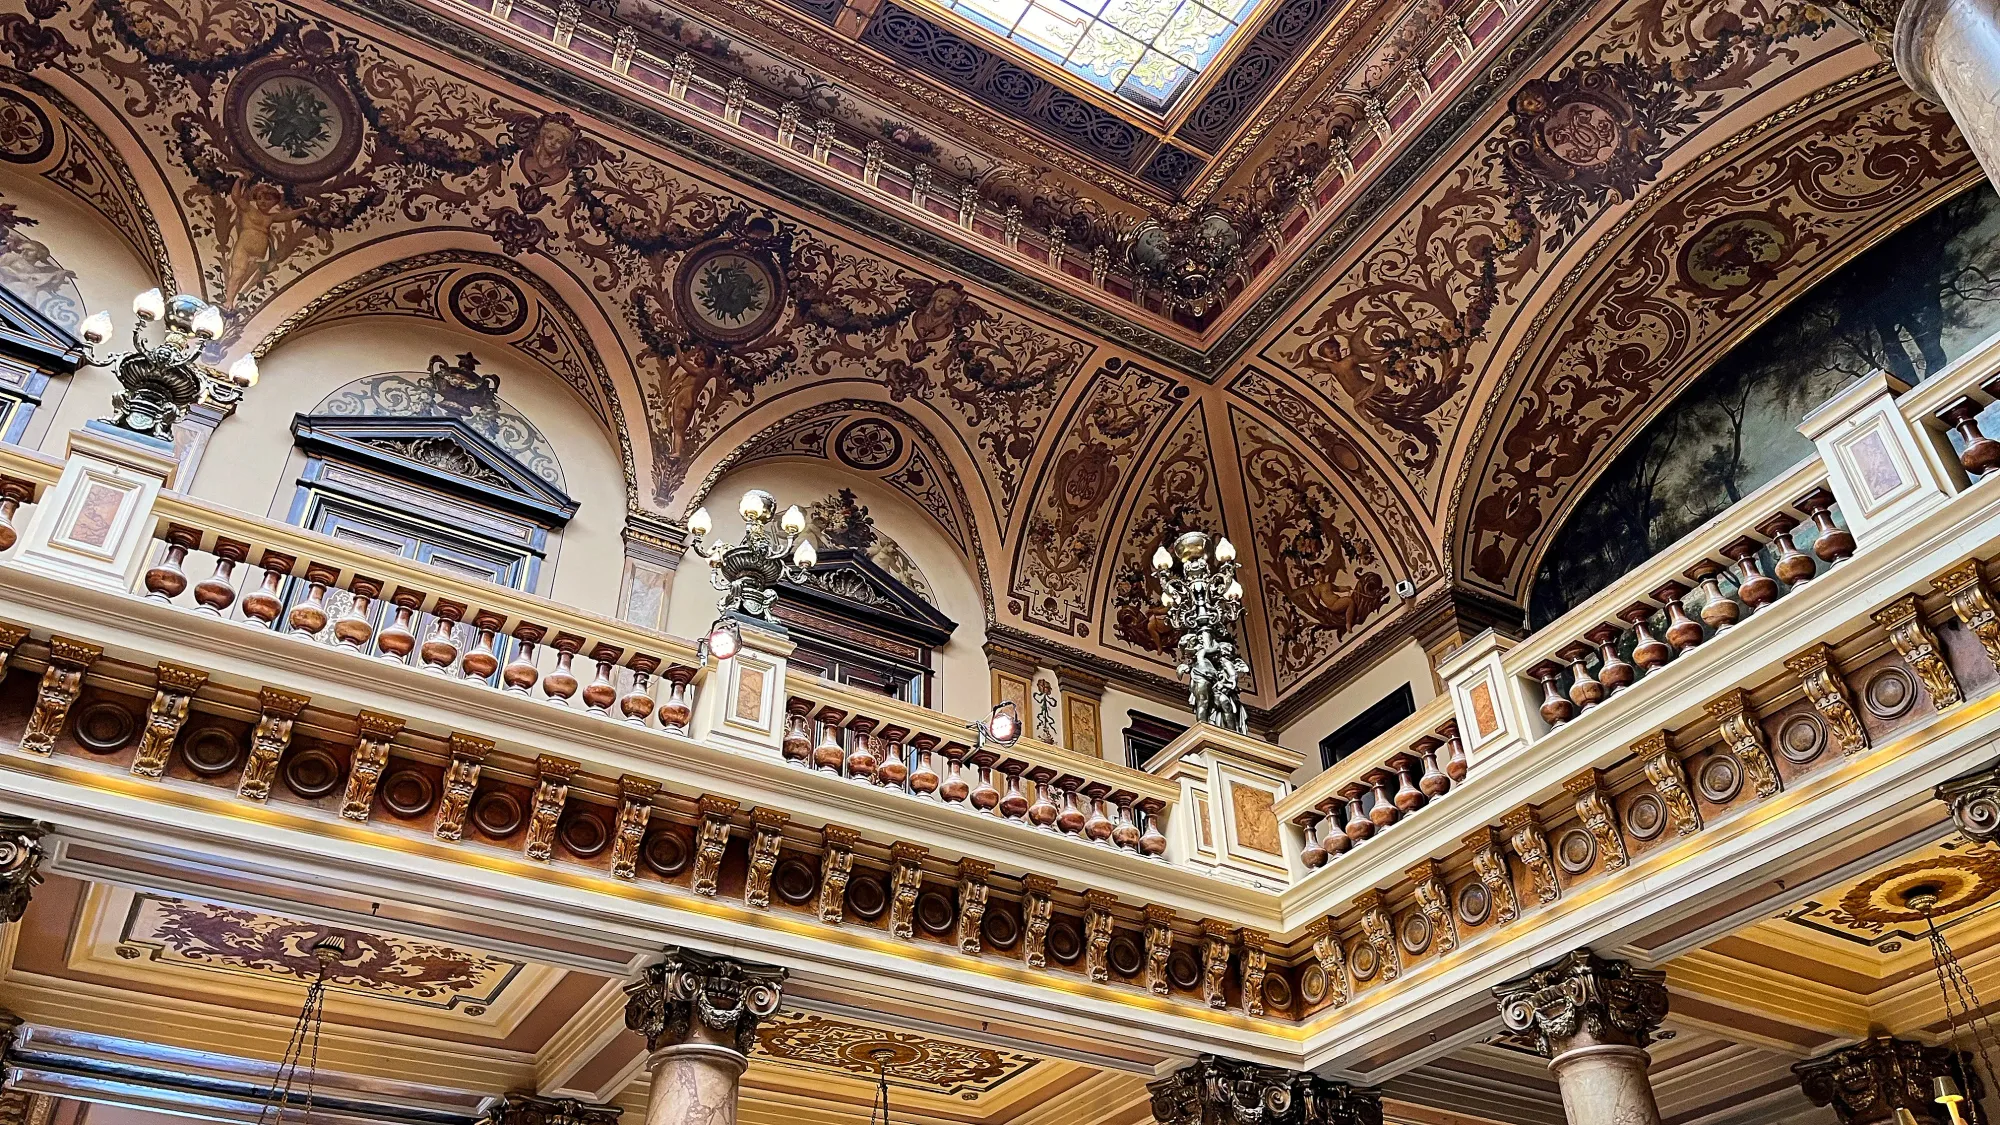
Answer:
(302, 1049)
(1969, 1024)
(161, 381)
(1204, 601)
(747, 572)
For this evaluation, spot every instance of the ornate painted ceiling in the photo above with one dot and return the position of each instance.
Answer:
(1448, 257)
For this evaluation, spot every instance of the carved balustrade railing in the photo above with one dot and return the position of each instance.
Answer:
(926, 756)
(1378, 786)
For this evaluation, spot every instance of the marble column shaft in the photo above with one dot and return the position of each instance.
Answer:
(1949, 51)
(699, 1014)
(1592, 1018)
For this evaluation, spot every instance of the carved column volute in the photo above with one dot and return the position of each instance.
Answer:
(20, 864)
(1974, 801)
(1867, 1082)
(1219, 1091)
(1585, 1001)
(528, 1109)
(699, 998)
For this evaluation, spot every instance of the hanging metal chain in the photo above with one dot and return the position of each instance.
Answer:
(303, 1045)
(1960, 999)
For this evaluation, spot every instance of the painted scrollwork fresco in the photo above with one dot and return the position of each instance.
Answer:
(1180, 494)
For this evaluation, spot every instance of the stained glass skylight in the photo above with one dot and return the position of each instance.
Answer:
(1144, 51)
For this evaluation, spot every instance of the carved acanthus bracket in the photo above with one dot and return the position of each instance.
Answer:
(1434, 900)
(1866, 1083)
(1489, 862)
(1217, 1091)
(1256, 965)
(1593, 807)
(20, 864)
(1830, 696)
(1525, 835)
(1215, 949)
(1670, 780)
(165, 716)
(711, 839)
(1159, 947)
(371, 756)
(1737, 721)
(972, 892)
(527, 1109)
(1332, 960)
(62, 682)
(635, 811)
(1903, 620)
(1098, 923)
(461, 778)
(767, 840)
(551, 794)
(1379, 931)
(696, 997)
(1584, 1000)
(836, 865)
(1973, 603)
(1037, 910)
(268, 742)
(11, 636)
(906, 881)
(1974, 800)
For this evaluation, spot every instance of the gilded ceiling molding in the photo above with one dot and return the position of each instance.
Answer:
(1670, 323)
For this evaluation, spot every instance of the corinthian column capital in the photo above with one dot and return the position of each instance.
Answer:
(20, 864)
(1867, 1082)
(1584, 1000)
(694, 997)
(528, 1109)
(1219, 1091)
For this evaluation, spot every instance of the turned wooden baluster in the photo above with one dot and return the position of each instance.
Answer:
(309, 616)
(15, 492)
(1125, 833)
(1613, 671)
(1098, 825)
(561, 683)
(353, 630)
(1584, 690)
(953, 788)
(1454, 751)
(677, 710)
(893, 772)
(797, 747)
(1152, 841)
(1409, 798)
(1831, 542)
(1754, 588)
(1042, 810)
(827, 753)
(1556, 710)
(263, 604)
(1332, 831)
(1981, 453)
(1649, 653)
(520, 674)
(1435, 782)
(216, 593)
(1359, 824)
(924, 778)
(1719, 611)
(636, 705)
(600, 693)
(1014, 802)
(1683, 632)
(1070, 818)
(1383, 811)
(398, 639)
(1312, 854)
(861, 760)
(164, 579)
(481, 661)
(440, 649)
(1795, 567)
(984, 796)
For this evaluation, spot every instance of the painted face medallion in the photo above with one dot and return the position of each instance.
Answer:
(728, 294)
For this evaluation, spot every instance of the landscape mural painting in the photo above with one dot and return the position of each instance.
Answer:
(1910, 306)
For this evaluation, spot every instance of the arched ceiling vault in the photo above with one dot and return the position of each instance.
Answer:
(1476, 345)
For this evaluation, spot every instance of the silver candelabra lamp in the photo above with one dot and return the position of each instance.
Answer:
(1204, 601)
(162, 380)
(747, 572)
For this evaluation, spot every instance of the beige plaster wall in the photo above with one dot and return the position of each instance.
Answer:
(108, 275)
(1113, 713)
(960, 684)
(1404, 665)
(250, 465)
